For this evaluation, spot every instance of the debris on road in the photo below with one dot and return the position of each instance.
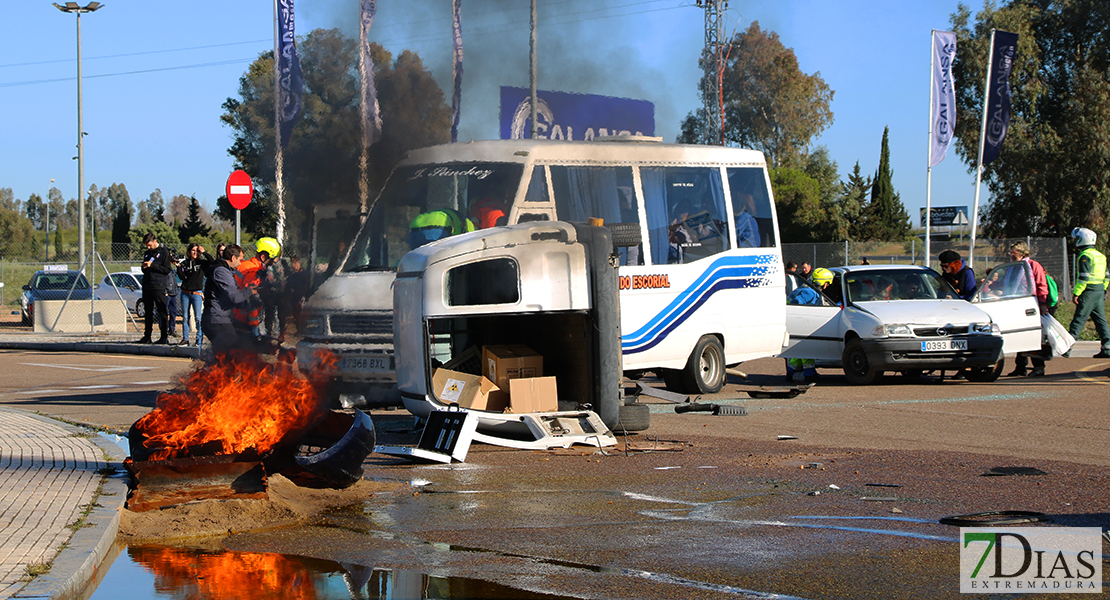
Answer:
(993, 518)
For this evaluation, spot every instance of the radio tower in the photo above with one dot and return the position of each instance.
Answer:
(711, 94)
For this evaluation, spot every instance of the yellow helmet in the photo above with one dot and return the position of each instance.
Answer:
(821, 276)
(268, 245)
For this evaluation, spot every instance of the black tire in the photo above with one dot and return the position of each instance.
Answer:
(673, 380)
(986, 374)
(140, 308)
(633, 417)
(856, 367)
(625, 234)
(705, 370)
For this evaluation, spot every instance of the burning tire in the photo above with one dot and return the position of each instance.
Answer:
(336, 463)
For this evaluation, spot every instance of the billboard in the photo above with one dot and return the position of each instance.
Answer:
(947, 216)
(565, 116)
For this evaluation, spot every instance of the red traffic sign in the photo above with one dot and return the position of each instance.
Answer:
(239, 189)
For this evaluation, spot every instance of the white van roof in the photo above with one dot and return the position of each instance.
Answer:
(608, 150)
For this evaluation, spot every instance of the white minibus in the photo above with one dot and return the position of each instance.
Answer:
(703, 290)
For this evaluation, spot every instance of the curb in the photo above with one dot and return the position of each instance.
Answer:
(105, 348)
(82, 560)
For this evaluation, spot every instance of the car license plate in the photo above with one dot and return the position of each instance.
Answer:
(366, 363)
(943, 345)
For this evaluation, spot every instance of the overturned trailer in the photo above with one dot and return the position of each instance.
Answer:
(550, 287)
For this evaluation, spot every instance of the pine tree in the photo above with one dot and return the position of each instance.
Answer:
(193, 225)
(853, 202)
(885, 217)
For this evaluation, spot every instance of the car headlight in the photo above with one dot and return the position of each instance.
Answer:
(314, 325)
(892, 329)
(987, 328)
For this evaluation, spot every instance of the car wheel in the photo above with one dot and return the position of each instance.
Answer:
(856, 367)
(705, 370)
(140, 308)
(986, 374)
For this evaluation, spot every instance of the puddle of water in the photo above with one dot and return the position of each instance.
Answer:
(157, 572)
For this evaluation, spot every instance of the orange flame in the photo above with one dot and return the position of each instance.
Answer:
(240, 401)
(246, 575)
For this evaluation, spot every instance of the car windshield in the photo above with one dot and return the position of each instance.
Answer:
(60, 281)
(481, 192)
(896, 284)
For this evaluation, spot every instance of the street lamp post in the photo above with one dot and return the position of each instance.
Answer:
(46, 206)
(73, 7)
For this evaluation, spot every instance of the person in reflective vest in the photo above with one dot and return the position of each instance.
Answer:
(436, 225)
(1089, 293)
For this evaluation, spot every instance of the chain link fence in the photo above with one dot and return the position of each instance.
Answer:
(1053, 254)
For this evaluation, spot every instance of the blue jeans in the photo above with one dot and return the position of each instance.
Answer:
(194, 301)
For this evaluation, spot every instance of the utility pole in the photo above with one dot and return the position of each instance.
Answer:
(711, 94)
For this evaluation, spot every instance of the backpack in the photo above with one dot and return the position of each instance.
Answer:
(1053, 292)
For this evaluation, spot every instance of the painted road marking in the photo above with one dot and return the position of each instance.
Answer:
(96, 368)
(1082, 373)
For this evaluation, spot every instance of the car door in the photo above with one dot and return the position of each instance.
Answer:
(814, 329)
(1007, 295)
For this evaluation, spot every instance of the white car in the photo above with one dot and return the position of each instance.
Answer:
(908, 319)
(130, 286)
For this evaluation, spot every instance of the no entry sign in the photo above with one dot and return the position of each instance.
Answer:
(239, 189)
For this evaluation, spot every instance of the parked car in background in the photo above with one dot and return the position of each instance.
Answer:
(130, 286)
(908, 319)
(52, 285)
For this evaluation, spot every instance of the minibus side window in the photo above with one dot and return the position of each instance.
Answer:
(755, 225)
(685, 213)
(601, 192)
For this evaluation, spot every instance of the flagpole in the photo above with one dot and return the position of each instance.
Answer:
(982, 142)
(929, 153)
(279, 166)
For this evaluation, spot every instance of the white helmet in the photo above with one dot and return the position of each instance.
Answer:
(1083, 236)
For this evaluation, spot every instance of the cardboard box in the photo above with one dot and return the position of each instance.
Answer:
(502, 363)
(533, 394)
(469, 391)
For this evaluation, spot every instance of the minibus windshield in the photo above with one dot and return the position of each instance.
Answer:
(422, 203)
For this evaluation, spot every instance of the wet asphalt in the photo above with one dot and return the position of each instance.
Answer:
(719, 507)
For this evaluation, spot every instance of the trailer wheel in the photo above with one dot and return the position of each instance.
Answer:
(625, 234)
(705, 371)
(633, 417)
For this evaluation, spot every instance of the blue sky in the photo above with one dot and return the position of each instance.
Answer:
(155, 77)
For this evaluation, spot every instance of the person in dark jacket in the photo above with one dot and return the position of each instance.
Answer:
(957, 273)
(221, 295)
(157, 270)
(192, 270)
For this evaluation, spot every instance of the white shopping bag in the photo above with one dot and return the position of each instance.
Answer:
(1056, 335)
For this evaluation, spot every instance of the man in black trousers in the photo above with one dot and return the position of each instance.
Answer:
(157, 270)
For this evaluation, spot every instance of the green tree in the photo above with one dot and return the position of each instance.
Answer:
(193, 225)
(769, 103)
(16, 234)
(121, 225)
(807, 199)
(163, 231)
(152, 209)
(854, 195)
(884, 217)
(321, 162)
(8, 201)
(1052, 173)
(34, 210)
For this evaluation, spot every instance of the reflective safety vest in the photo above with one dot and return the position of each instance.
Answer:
(435, 225)
(1091, 270)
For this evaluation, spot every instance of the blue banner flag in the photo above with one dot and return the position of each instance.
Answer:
(371, 116)
(456, 72)
(944, 95)
(288, 73)
(997, 102)
(565, 116)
